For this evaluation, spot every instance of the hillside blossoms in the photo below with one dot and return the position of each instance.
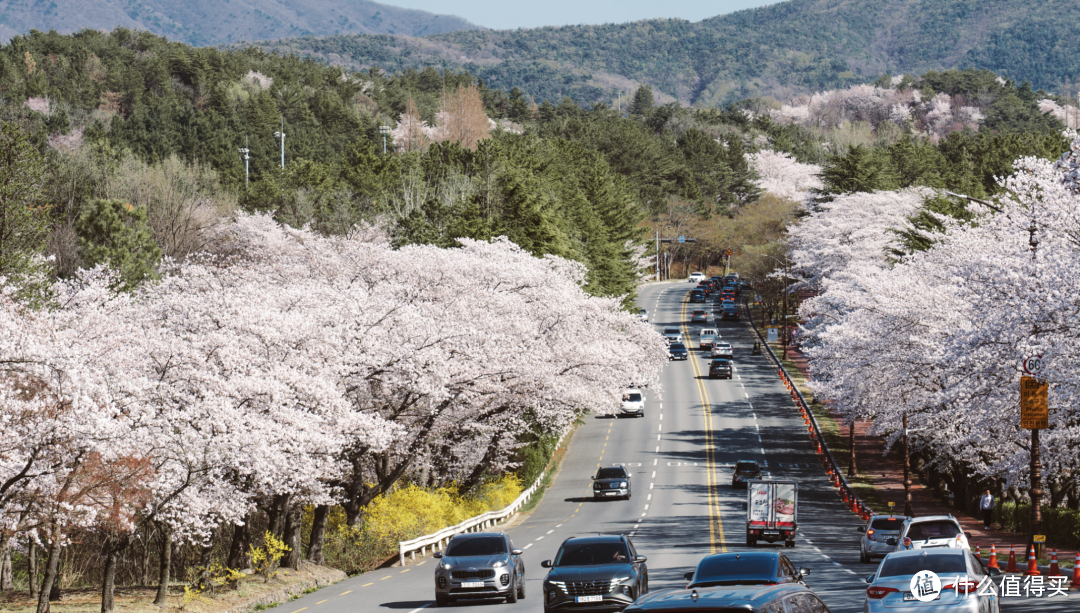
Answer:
(781, 175)
(940, 335)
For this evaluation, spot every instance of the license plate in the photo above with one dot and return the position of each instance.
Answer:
(909, 597)
(589, 599)
(611, 493)
(473, 584)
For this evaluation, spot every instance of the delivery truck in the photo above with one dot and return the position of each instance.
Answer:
(772, 511)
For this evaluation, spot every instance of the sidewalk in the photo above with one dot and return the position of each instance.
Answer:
(886, 473)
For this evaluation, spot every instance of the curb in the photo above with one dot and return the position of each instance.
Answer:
(282, 596)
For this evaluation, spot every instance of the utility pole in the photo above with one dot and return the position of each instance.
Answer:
(907, 473)
(1036, 464)
(281, 135)
(384, 130)
(658, 254)
(245, 154)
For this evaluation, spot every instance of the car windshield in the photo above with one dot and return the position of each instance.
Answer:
(894, 524)
(909, 565)
(611, 473)
(477, 546)
(746, 468)
(589, 554)
(671, 330)
(734, 571)
(924, 531)
(678, 346)
(635, 397)
(720, 362)
(723, 346)
(643, 312)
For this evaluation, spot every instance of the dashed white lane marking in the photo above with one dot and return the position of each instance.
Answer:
(650, 485)
(657, 437)
(655, 460)
(657, 449)
(750, 403)
(558, 525)
(747, 395)
(814, 547)
(639, 521)
(539, 538)
(654, 474)
(550, 531)
(421, 608)
(527, 546)
(649, 497)
(660, 428)
(739, 377)
(646, 507)
(644, 514)
(661, 417)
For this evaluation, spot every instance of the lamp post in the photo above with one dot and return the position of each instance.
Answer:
(1036, 463)
(245, 155)
(384, 130)
(280, 135)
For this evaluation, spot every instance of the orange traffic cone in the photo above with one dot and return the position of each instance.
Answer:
(1033, 564)
(978, 551)
(819, 448)
(843, 494)
(1075, 585)
(993, 557)
(1055, 570)
(1011, 568)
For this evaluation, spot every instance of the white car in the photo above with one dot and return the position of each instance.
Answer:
(722, 350)
(633, 403)
(673, 335)
(932, 531)
(643, 315)
(959, 574)
(697, 277)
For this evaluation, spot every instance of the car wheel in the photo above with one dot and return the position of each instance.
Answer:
(511, 594)
(863, 557)
(521, 588)
(751, 542)
(441, 601)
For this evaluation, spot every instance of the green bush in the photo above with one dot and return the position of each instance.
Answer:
(534, 458)
(1061, 526)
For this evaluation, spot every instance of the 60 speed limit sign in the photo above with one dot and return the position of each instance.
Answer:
(1033, 365)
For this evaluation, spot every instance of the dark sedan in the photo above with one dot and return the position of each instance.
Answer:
(741, 599)
(597, 573)
(699, 317)
(612, 481)
(678, 351)
(479, 565)
(745, 471)
(720, 369)
(751, 568)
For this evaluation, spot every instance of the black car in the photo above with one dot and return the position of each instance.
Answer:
(751, 568)
(697, 296)
(612, 482)
(596, 573)
(730, 313)
(479, 565)
(677, 351)
(745, 470)
(720, 368)
(744, 599)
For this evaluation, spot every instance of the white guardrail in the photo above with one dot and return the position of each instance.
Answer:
(473, 524)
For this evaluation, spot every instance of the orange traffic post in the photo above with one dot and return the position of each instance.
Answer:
(1033, 564)
(1055, 570)
(993, 557)
(1011, 568)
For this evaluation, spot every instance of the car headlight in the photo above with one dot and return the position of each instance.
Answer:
(499, 564)
(623, 484)
(446, 566)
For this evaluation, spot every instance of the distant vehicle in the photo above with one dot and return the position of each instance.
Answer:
(730, 313)
(611, 481)
(720, 368)
(932, 531)
(722, 350)
(890, 587)
(745, 471)
(741, 599)
(643, 315)
(772, 511)
(699, 316)
(673, 335)
(697, 277)
(727, 303)
(880, 536)
(479, 565)
(748, 568)
(595, 573)
(678, 351)
(707, 338)
(697, 296)
(633, 403)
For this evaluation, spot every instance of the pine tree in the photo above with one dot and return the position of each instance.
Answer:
(24, 221)
(643, 102)
(116, 233)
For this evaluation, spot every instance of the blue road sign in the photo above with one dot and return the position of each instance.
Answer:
(682, 239)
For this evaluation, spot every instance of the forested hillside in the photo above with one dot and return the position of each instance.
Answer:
(203, 22)
(779, 50)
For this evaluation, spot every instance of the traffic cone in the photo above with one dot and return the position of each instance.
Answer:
(843, 493)
(1033, 564)
(819, 448)
(1055, 570)
(1075, 585)
(993, 557)
(1011, 567)
(978, 551)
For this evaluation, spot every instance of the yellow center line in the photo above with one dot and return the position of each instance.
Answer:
(298, 610)
(715, 532)
(385, 578)
(350, 591)
(320, 602)
(405, 571)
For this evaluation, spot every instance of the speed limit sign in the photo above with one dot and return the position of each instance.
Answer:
(1033, 365)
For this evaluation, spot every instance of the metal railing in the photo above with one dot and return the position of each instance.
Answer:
(473, 524)
(829, 463)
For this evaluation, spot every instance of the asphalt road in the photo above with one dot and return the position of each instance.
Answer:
(683, 507)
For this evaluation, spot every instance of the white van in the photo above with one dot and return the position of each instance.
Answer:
(633, 403)
(697, 277)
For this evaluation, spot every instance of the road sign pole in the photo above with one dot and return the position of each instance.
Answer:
(1036, 494)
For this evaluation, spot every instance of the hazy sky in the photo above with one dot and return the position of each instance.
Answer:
(501, 14)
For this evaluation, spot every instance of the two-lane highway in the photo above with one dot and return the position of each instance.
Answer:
(681, 455)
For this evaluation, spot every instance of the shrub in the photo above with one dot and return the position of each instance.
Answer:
(1061, 526)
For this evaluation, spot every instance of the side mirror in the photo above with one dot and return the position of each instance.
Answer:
(870, 578)
(546, 564)
(437, 555)
(688, 576)
(967, 534)
(593, 477)
(515, 552)
(804, 572)
(641, 559)
(994, 571)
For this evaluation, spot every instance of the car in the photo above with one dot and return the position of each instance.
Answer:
(742, 599)
(720, 368)
(707, 337)
(633, 403)
(746, 568)
(479, 565)
(722, 350)
(673, 334)
(745, 471)
(678, 351)
(595, 572)
(643, 315)
(697, 277)
(699, 316)
(932, 531)
(697, 296)
(880, 536)
(611, 481)
(730, 313)
(958, 571)
(727, 304)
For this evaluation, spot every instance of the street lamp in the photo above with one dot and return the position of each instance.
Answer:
(245, 155)
(384, 130)
(280, 135)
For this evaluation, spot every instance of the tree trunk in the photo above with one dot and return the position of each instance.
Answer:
(32, 569)
(852, 469)
(164, 566)
(108, 578)
(238, 550)
(279, 508)
(318, 535)
(7, 582)
(294, 520)
(52, 568)
(960, 489)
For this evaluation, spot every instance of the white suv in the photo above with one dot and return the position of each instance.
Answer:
(633, 403)
(697, 277)
(931, 532)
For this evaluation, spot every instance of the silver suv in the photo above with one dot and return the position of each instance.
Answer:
(931, 532)
(479, 565)
(880, 536)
